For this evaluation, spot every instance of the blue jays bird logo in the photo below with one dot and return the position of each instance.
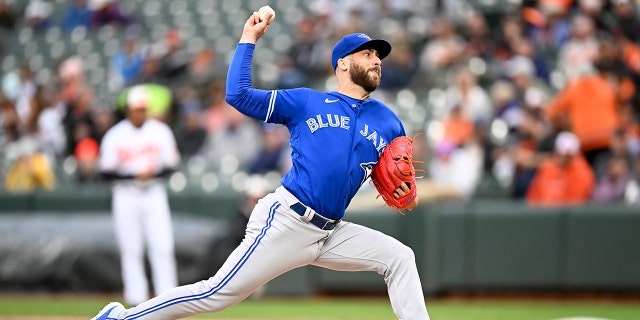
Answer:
(367, 167)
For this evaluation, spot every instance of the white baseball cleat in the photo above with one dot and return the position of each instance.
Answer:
(106, 311)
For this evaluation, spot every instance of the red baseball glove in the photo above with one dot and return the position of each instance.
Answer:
(395, 167)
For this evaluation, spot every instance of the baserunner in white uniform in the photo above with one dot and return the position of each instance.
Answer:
(136, 154)
(336, 138)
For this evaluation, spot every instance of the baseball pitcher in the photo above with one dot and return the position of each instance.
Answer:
(336, 139)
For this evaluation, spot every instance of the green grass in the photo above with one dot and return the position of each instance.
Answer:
(84, 307)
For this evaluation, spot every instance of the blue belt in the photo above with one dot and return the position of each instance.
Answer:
(317, 220)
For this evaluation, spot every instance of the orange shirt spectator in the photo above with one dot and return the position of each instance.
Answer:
(589, 107)
(631, 54)
(565, 178)
(458, 128)
(86, 153)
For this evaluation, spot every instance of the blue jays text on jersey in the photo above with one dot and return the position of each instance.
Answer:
(335, 139)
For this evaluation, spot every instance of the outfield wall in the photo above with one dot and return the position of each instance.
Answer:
(479, 246)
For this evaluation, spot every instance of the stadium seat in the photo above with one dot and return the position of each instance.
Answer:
(53, 34)
(8, 63)
(25, 35)
(57, 50)
(106, 32)
(78, 34)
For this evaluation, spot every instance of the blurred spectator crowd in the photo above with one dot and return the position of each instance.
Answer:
(539, 99)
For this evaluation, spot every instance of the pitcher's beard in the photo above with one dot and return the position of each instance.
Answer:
(361, 77)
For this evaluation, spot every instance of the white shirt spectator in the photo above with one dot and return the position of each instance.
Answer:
(459, 169)
(473, 100)
(51, 134)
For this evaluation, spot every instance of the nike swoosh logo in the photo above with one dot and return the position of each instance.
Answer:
(330, 101)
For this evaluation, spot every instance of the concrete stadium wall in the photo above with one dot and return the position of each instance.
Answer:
(512, 246)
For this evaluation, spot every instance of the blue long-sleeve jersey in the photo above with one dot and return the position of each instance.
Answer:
(335, 140)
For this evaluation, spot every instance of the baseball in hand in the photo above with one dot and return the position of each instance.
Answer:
(263, 11)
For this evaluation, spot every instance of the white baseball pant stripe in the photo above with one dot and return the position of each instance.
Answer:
(276, 241)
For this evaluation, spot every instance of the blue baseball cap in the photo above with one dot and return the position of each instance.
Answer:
(355, 42)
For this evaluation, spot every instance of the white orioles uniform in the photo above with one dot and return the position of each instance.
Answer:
(141, 212)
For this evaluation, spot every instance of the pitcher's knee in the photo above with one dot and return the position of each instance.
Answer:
(405, 254)
(402, 256)
(402, 260)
